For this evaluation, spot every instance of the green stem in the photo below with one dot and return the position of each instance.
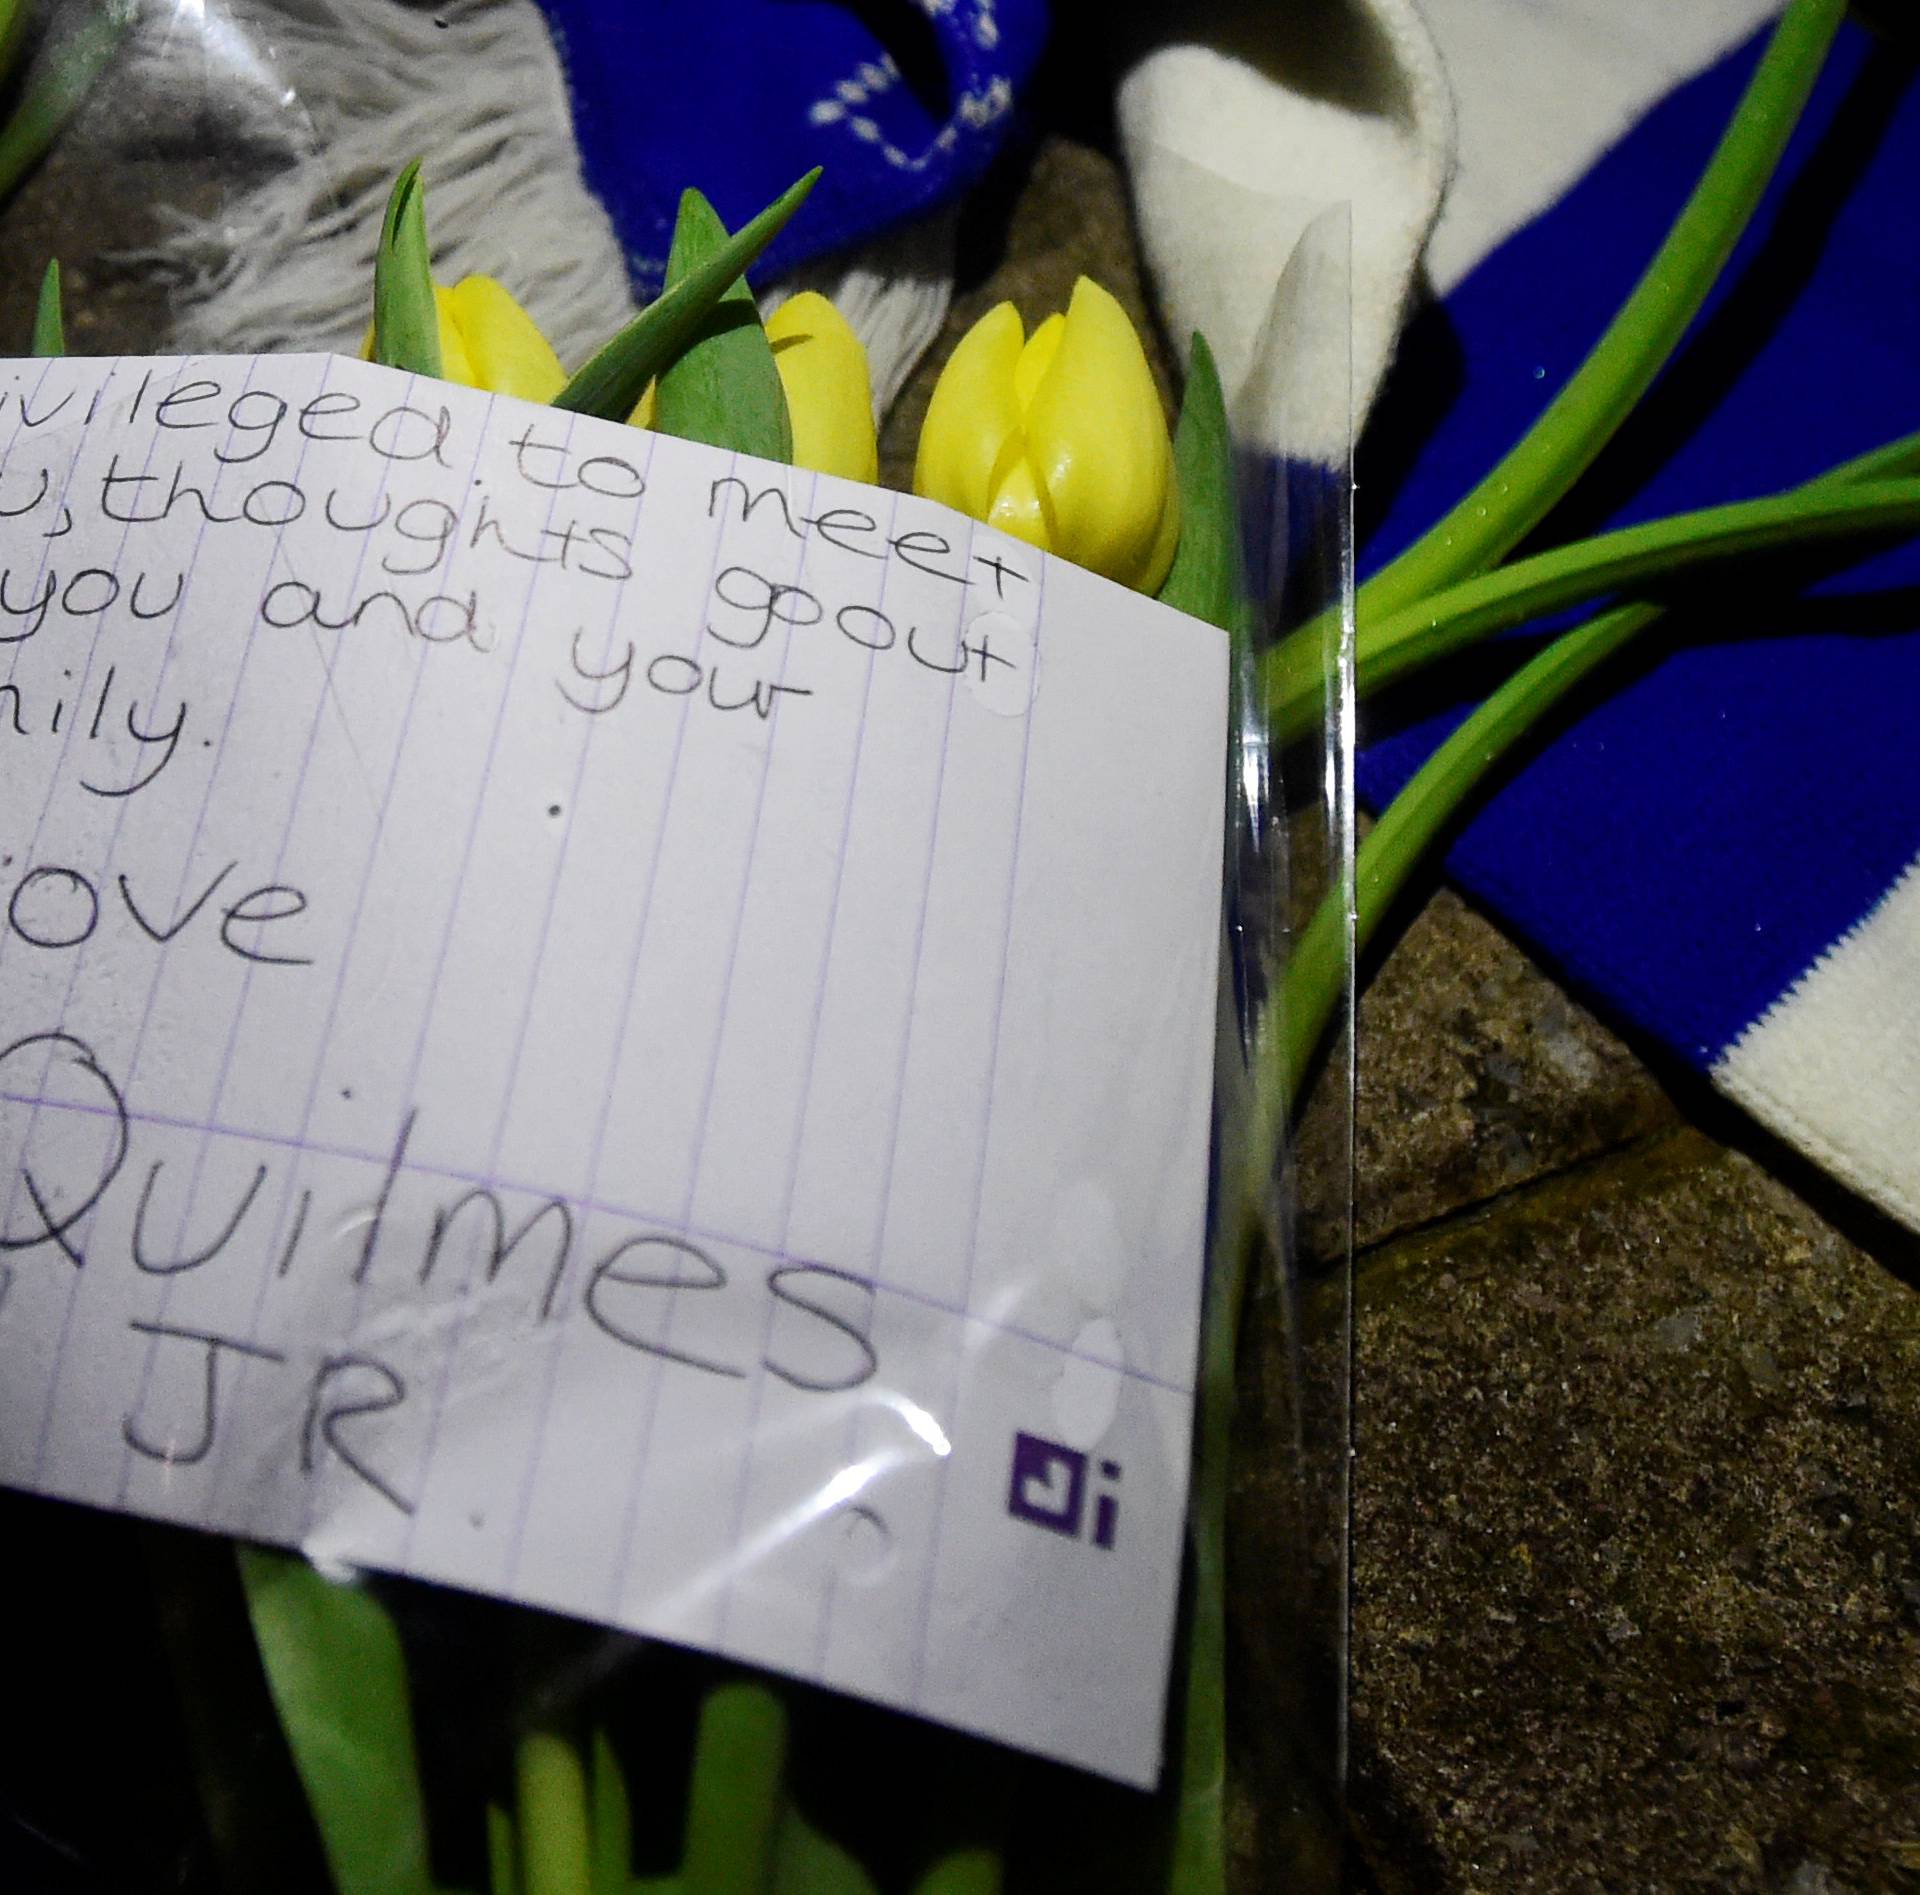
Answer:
(553, 1830)
(738, 1787)
(1409, 825)
(1407, 828)
(612, 1819)
(1206, 579)
(338, 1674)
(1634, 557)
(1538, 472)
(1198, 1865)
(807, 1861)
(1519, 493)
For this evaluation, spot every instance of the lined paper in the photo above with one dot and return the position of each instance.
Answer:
(607, 1024)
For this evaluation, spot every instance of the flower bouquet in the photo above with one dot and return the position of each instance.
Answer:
(331, 1729)
(418, 1740)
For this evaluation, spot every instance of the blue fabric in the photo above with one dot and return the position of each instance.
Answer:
(1686, 848)
(903, 104)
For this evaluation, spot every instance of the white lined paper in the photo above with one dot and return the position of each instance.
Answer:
(547, 828)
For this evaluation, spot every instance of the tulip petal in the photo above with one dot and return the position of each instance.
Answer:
(1098, 439)
(1166, 542)
(823, 368)
(1036, 358)
(1019, 502)
(971, 415)
(504, 348)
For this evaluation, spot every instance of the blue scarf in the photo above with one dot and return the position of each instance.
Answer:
(741, 96)
(1690, 847)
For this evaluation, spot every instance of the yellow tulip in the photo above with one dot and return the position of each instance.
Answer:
(823, 370)
(488, 341)
(1058, 439)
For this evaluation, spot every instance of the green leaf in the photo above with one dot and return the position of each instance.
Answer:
(339, 1681)
(611, 384)
(55, 90)
(406, 322)
(724, 390)
(49, 331)
(1204, 580)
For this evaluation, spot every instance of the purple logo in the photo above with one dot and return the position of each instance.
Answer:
(1048, 1489)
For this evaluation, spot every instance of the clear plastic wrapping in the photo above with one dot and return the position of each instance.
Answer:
(292, 1724)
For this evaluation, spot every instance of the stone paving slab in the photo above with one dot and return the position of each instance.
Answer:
(1478, 1075)
(1637, 1587)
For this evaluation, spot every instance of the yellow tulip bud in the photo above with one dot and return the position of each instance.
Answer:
(488, 341)
(504, 348)
(1058, 439)
(823, 370)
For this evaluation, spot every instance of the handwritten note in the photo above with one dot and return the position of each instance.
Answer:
(604, 1023)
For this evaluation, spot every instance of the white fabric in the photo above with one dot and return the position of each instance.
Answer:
(290, 265)
(1542, 87)
(1240, 129)
(1240, 135)
(1834, 1065)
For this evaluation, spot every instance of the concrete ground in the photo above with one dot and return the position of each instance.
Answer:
(1636, 1574)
